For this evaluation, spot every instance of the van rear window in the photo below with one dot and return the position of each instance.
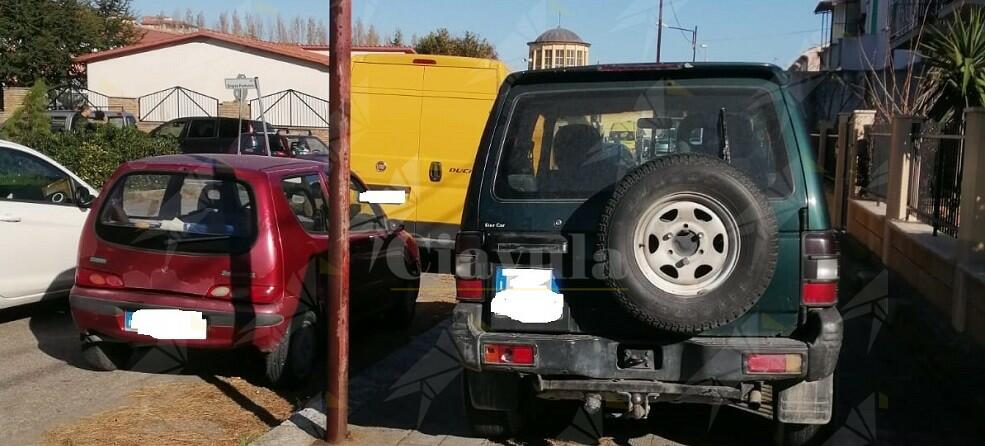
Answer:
(180, 213)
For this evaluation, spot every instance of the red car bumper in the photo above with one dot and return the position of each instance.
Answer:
(101, 312)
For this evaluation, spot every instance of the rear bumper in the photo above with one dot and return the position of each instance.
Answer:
(695, 360)
(100, 312)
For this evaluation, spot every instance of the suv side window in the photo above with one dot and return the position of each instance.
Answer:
(227, 128)
(304, 196)
(363, 217)
(173, 129)
(24, 177)
(202, 128)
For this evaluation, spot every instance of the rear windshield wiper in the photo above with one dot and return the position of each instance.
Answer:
(724, 147)
(178, 241)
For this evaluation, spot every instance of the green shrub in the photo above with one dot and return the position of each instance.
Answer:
(95, 154)
(31, 117)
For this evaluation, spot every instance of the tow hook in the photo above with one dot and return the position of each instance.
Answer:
(638, 407)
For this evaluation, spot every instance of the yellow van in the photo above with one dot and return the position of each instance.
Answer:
(416, 124)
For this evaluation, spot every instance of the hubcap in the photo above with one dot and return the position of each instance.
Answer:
(687, 244)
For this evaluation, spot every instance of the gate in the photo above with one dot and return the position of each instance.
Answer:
(291, 108)
(72, 97)
(174, 103)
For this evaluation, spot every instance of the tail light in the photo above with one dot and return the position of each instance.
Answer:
(261, 294)
(508, 354)
(790, 363)
(97, 279)
(471, 266)
(820, 269)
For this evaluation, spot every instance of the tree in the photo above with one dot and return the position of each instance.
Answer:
(358, 33)
(30, 118)
(311, 31)
(200, 20)
(189, 17)
(223, 23)
(397, 39)
(441, 41)
(236, 26)
(372, 37)
(39, 38)
(297, 29)
(954, 55)
(280, 30)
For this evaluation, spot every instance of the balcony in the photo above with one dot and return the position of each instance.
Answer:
(907, 17)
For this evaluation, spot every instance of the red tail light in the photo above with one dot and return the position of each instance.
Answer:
(820, 269)
(471, 266)
(791, 363)
(97, 279)
(508, 354)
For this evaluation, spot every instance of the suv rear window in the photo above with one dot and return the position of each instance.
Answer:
(179, 212)
(576, 142)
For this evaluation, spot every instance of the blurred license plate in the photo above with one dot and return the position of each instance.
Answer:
(166, 323)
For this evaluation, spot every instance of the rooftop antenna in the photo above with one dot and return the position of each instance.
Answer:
(559, 19)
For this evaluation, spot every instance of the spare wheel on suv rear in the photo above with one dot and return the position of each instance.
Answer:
(690, 243)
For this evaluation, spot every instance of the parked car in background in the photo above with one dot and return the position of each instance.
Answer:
(73, 120)
(232, 246)
(207, 134)
(42, 210)
(416, 124)
(704, 273)
(283, 143)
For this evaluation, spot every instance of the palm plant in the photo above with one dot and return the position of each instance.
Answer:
(954, 56)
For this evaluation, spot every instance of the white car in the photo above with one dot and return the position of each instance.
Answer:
(43, 207)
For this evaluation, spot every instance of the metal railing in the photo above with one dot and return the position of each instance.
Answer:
(907, 16)
(174, 103)
(872, 168)
(934, 193)
(291, 108)
(72, 97)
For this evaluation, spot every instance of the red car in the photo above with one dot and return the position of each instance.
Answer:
(222, 251)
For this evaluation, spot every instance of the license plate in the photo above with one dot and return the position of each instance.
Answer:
(527, 295)
(166, 324)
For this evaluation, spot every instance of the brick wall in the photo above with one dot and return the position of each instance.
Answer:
(13, 97)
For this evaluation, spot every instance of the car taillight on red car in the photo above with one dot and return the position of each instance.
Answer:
(97, 279)
(820, 269)
(471, 266)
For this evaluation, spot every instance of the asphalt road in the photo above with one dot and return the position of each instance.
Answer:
(45, 383)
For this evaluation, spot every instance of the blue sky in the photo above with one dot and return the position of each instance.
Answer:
(774, 31)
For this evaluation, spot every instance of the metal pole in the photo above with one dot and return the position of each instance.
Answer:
(239, 128)
(337, 310)
(263, 116)
(694, 42)
(660, 29)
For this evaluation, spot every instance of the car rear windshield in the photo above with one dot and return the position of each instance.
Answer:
(576, 141)
(179, 212)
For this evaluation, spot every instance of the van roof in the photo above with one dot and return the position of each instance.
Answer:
(428, 59)
(243, 163)
(650, 71)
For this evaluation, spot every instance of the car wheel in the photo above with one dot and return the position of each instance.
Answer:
(401, 315)
(689, 243)
(498, 424)
(291, 363)
(789, 434)
(103, 355)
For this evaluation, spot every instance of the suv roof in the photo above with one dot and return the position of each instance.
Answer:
(643, 71)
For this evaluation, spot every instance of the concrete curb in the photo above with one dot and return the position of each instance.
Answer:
(308, 424)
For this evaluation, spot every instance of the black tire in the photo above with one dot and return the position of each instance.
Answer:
(401, 315)
(789, 434)
(105, 356)
(736, 196)
(495, 424)
(292, 362)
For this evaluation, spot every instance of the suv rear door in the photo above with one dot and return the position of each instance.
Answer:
(518, 210)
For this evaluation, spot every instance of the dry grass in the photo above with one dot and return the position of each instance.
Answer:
(196, 413)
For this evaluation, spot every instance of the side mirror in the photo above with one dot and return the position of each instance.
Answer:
(83, 198)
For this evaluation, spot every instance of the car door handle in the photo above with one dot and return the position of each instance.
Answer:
(435, 172)
(10, 219)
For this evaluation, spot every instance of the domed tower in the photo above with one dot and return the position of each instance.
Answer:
(557, 48)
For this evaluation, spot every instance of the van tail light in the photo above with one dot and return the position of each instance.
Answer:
(97, 279)
(761, 364)
(471, 266)
(508, 354)
(820, 269)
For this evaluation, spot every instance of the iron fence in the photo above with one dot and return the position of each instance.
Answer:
(934, 193)
(908, 16)
(174, 103)
(73, 97)
(872, 163)
(291, 108)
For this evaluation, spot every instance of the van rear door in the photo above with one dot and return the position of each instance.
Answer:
(386, 129)
(454, 111)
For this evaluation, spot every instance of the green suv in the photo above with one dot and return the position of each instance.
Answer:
(696, 266)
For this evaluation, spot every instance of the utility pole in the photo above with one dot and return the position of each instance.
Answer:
(337, 310)
(694, 44)
(660, 29)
